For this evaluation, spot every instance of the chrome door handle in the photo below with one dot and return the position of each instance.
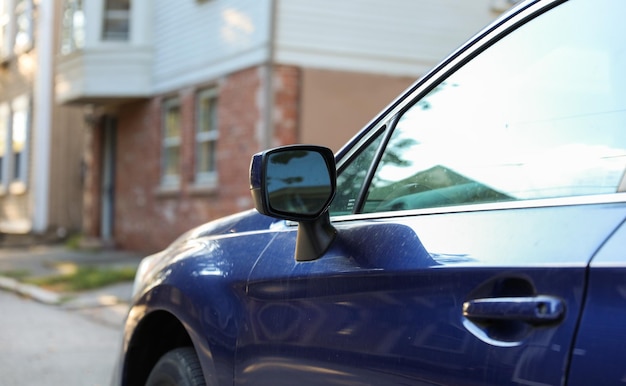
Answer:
(533, 310)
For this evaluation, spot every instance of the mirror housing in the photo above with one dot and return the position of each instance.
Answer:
(297, 183)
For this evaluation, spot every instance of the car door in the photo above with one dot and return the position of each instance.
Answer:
(466, 218)
(386, 304)
(598, 354)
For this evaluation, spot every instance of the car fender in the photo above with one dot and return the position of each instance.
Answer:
(200, 284)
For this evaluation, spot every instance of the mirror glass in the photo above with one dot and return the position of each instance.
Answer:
(298, 182)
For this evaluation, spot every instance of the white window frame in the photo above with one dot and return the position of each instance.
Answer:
(5, 146)
(209, 118)
(6, 29)
(170, 180)
(122, 16)
(23, 38)
(72, 26)
(20, 131)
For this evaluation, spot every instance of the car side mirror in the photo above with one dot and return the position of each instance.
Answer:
(297, 183)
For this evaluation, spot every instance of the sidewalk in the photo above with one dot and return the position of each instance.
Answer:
(108, 304)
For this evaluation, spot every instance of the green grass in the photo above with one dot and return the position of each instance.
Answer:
(84, 278)
(17, 274)
(73, 242)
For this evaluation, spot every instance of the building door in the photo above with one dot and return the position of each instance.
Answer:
(107, 183)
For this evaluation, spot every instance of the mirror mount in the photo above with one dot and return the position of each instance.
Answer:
(297, 183)
(314, 238)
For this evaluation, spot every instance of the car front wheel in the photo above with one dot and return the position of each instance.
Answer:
(178, 367)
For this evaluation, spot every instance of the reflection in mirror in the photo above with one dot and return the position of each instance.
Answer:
(298, 181)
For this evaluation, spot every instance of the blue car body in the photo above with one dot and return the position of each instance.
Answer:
(524, 292)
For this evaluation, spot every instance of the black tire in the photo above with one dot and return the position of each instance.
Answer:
(179, 367)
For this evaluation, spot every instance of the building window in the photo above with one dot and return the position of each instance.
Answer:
(20, 131)
(15, 128)
(73, 29)
(5, 114)
(171, 144)
(206, 137)
(23, 25)
(116, 23)
(5, 30)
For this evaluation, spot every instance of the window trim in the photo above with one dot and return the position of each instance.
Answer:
(206, 179)
(28, 14)
(5, 120)
(14, 178)
(18, 175)
(600, 199)
(388, 132)
(6, 30)
(119, 15)
(71, 39)
(170, 181)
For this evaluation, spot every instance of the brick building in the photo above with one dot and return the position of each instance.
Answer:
(180, 94)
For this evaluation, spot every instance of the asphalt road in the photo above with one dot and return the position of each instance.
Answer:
(47, 345)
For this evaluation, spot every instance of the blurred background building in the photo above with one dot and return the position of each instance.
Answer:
(41, 142)
(133, 120)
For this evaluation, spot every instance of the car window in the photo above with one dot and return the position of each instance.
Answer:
(351, 177)
(539, 114)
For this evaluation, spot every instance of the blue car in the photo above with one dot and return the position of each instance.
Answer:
(472, 234)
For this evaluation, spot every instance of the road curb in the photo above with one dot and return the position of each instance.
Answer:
(98, 305)
(32, 291)
(67, 300)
